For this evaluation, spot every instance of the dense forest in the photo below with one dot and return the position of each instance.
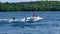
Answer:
(31, 6)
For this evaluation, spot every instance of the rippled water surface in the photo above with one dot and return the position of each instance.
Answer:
(50, 24)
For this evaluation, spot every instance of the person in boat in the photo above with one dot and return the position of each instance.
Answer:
(35, 16)
(13, 18)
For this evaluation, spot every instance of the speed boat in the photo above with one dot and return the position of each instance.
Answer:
(33, 18)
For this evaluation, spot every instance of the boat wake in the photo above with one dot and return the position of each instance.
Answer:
(16, 20)
(33, 18)
(8, 20)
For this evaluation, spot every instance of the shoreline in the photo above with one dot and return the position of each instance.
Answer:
(29, 11)
(31, 6)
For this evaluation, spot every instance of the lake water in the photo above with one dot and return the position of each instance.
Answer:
(50, 24)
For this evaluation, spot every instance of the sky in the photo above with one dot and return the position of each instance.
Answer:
(16, 0)
(23, 0)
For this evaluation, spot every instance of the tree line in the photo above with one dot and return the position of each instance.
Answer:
(31, 6)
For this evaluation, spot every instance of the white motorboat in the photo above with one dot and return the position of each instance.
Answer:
(33, 18)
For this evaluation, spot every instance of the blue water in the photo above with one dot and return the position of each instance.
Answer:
(50, 24)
